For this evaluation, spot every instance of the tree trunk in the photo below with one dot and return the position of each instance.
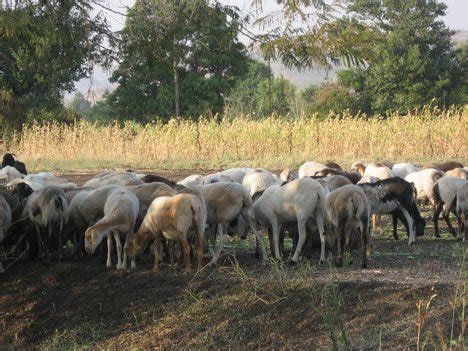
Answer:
(176, 90)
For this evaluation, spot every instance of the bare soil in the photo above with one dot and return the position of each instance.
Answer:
(240, 304)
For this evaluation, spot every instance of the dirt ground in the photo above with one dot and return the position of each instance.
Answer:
(240, 304)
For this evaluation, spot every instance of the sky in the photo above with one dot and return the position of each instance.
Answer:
(456, 19)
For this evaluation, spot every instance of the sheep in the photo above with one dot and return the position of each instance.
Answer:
(462, 211)
(368, 179)
(224, 203)
(458, 173)
(388, 195)
(354, 177)
(358, 167)
(151, 178)
(215, 178)
(403, 169)
(48, 210)
(146, 193)
(445, 192)
(113, 178)
(8, 173)
(120, 214)
(334, 182)
(424, 181)
(377, 170)
(5, 221)
(333, 165)
(348, 210)
(172, 217)
(288, 174)
(236, 174)
(309, 169)
(258, 180)
(44, 178)
(445, 166)
(9, 160)
(191, 181)
(299, 200)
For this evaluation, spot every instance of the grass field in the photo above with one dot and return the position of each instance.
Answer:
(273, 143)
(241, 304)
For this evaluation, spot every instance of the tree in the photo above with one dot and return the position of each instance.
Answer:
(309, 33)
(243, 99)
(275, 96)
(44, 47)
(80, 104)
(177, 58)
(413, 63)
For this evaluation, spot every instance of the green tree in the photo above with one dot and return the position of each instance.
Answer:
(80, 104)
(177, 58)
(243, 99)
(413, 63)
(275, 96)
(44, 47)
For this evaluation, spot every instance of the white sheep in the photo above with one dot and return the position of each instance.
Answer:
(191, 181)
(224, 203)
(236, 174)
(424, 181)
(347, 211)
(444, 196)
(462, 211)
(120, 214)
(44, 178)
(215, 178)
(299, 200)
(258, 180)
(288, 174)
(173, 217)
(114, 178)
(48, 210)
(403, 169)
(458, 173)
(8, 173)
(310, 169)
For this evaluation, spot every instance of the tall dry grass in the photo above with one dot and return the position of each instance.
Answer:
(272, 142)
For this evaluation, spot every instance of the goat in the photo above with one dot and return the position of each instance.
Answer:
(120, 214)
(388, 195)
(172, 217)
(445, 193)
(348, 210)
(9, 160)
(299, 200)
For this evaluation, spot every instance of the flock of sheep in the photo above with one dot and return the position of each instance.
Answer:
(321, 204)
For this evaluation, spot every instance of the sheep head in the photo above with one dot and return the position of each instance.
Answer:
(358, 167)
(133, 246)
(91, 240)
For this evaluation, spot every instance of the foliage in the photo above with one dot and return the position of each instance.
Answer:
(80, 104)
(260, 94)
(45, 46)
(307, 34)
(185, 51)
(413, 62)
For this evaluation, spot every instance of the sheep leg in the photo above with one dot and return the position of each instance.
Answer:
(395, 222)
(170, 249)
(301, 228)
(365, 243)
(446, 216)
(248, 218)
(157, 253)
(270, 241)
(435, 218)
(186, 248)
(321, 229)
(409, 219)
(220, 246)
(275, 229)
(199, 249)
(39, 241)
(339, 237)
(109, 251)
(118, 246)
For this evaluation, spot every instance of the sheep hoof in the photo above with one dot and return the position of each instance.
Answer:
(321, 262)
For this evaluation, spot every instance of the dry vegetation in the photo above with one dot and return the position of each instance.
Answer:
(273, 142)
